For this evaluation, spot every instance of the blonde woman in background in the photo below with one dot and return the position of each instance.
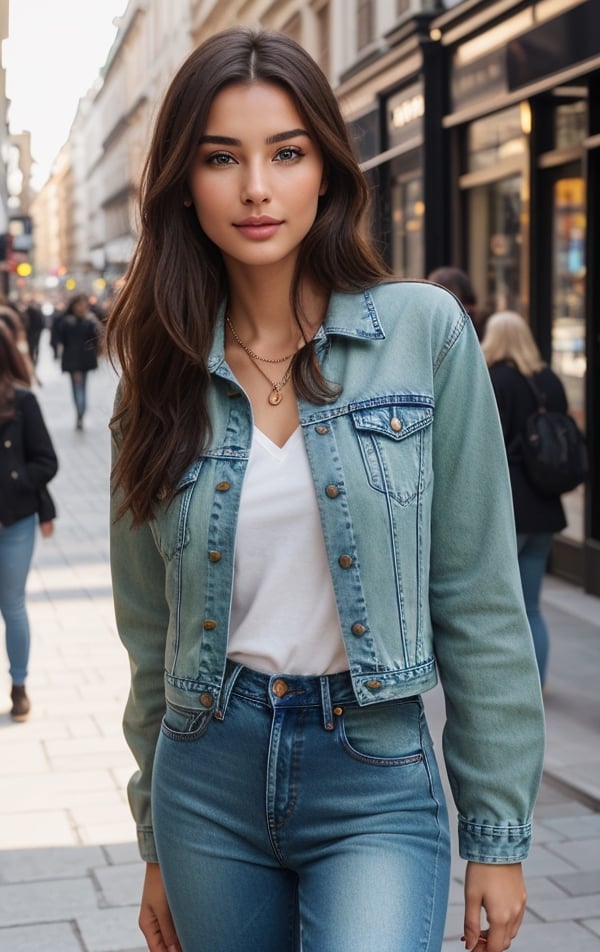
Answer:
(512, 356)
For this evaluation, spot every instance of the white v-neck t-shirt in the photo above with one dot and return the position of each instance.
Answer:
(284, 617)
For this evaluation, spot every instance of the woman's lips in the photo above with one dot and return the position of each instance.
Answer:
(259, 228)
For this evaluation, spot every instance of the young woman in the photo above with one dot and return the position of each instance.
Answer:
(309, 521)
(79, 335)
(513, 357)
(27, 463)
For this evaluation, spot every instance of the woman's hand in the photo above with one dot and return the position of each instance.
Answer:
(155, 916)
(500, 890)
(47, 529)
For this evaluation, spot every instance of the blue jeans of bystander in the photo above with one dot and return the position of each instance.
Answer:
(78, 384)
(16, 550)
(534, 549)
(296, 820)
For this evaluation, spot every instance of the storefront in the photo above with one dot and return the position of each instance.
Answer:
(522, 128)
(393, 108)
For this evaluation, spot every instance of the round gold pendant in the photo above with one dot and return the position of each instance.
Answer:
(275, 398)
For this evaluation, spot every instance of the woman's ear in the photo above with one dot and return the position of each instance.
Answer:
(324, 186)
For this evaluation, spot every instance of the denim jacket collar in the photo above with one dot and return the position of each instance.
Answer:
(348, 315)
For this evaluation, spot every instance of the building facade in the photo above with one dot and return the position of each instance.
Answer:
(477, 124)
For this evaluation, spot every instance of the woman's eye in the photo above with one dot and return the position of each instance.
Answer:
(289, 153)
(220, 158)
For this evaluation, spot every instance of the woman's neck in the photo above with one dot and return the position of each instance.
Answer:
(261, 310)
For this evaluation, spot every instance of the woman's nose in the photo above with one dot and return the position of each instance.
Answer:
(255, 188)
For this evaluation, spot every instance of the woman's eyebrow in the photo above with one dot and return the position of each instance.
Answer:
(270, 140)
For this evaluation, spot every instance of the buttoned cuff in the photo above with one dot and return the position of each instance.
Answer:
(146, 844)
(493, 843)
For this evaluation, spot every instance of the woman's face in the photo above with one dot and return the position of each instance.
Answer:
(257, 176)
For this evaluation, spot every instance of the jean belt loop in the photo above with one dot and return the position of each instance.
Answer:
(326, 703)
(231, 675)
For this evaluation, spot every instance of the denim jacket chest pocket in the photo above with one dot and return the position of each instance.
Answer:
(170, 524)
(395, 445)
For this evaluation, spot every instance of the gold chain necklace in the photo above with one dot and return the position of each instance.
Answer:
(265, 360)
(276, 396)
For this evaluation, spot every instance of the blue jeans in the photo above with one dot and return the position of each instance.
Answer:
(534, 549)
(299, 821)
(16, 551)
(78, 383)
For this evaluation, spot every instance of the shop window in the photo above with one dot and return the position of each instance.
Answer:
(365, 23)
(570, 124)
(494, 139)
(495, 243)
(568, 315)
(408, 217)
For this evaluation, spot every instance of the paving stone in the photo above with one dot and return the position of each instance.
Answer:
(576, 828)
(49, 937)
(121, 885)
(554, 937)
(49, 901)
(580, 884)
(122, 853)
(20, 866)
(111, 930)
(43, 828)
(582, 854)
(557, 910)
(542, 862)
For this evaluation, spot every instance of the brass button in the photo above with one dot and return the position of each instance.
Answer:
(374, 684)
(358, 629)
(280, 688)
(338, 711)
(223, 487)
(332, 491)
(322, 430)
(214, 556)
(206, 699)
(345, 561)
(209, 624)
(396, 424)
(8, 444)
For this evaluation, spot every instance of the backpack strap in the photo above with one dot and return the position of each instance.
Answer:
(539, 396)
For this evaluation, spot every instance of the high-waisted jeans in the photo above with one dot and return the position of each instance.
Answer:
(299, 821)
(16, 551)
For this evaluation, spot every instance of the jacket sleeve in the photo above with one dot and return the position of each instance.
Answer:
(494, 734)
(40, 458)
(138, 581)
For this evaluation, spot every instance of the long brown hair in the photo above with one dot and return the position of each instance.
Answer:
(12, 371)
(162, 324)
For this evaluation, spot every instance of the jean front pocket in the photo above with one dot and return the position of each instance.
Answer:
(385, 734)
(394, 440)
(183, 725)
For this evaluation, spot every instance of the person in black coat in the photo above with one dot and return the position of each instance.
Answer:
(79, 335)
(27, 463)
(513, 356)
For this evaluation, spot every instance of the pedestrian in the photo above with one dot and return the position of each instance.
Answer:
(513, 358)
(80, 337)
(12, 320)
(27, 463)
(459, 283)
(307, 523)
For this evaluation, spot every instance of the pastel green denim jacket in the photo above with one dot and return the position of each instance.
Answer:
(412, 485)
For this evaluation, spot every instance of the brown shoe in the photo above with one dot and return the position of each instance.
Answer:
(21, 705)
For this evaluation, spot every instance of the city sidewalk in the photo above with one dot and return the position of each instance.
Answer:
(70, 876)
